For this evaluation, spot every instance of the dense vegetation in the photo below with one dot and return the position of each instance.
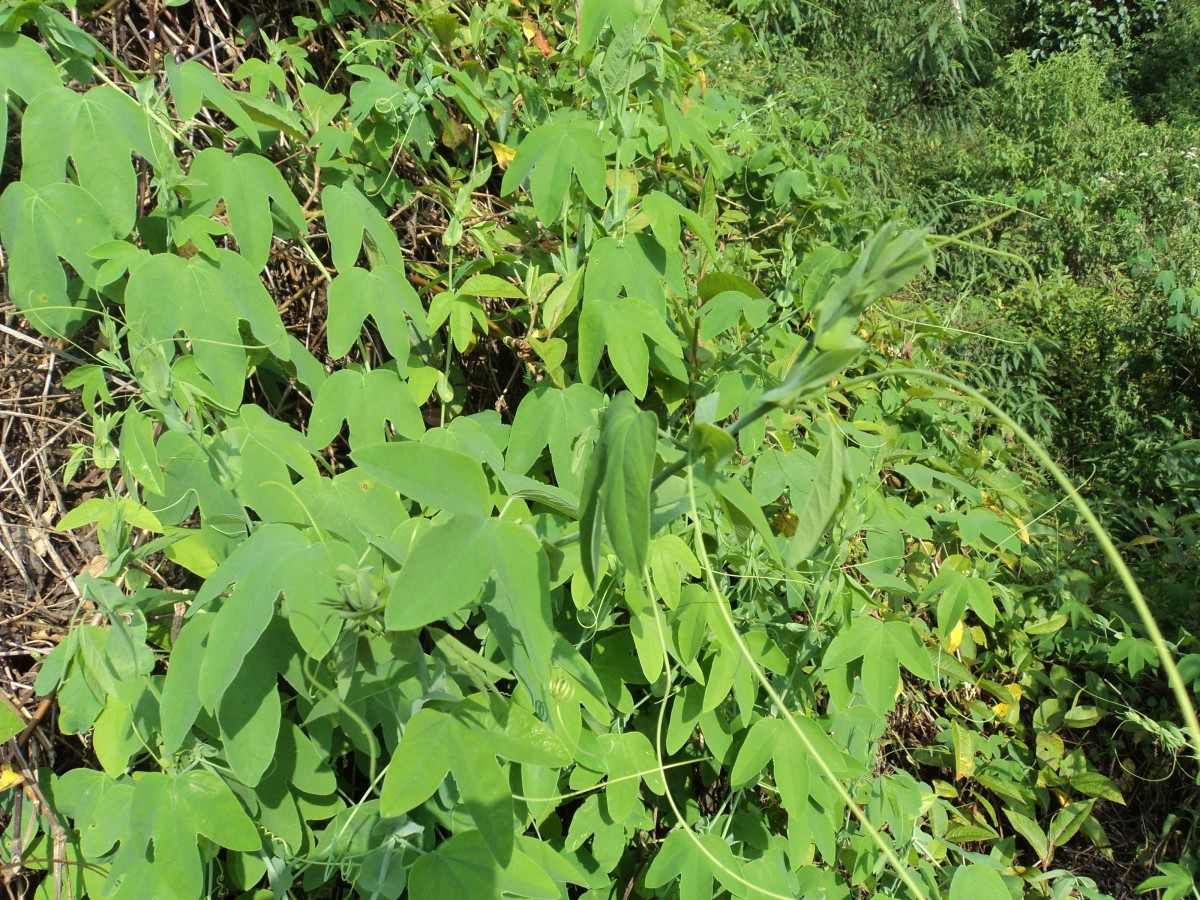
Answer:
(609, 449)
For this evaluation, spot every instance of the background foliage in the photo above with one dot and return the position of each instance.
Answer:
(538, 457)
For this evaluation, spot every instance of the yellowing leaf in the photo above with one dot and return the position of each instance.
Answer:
(8, 778)
(955, 637)
(504, 154)
(1022, 531)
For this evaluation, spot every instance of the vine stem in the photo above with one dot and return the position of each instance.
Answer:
(1174, 678)
(840, 789)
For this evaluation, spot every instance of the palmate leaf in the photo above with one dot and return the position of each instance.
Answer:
(431, 475)
(462, 867)
(883, 647)
(25, 70)
(385, 295)
(38, 226)
(637, 265)
(367, 400)
(275, 560)
(205, 300)
(518, 610)
(349, 216)
(251, 186)
(98, 131)
(549, 155)
(558, 419)
(832, 484)
(622, 327)
(170, 811)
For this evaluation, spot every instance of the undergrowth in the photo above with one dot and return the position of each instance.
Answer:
(541, 461)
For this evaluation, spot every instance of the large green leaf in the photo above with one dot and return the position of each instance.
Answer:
(348, 217)
(558, 419)
(169, 811)
(978, 882)
(98, 131)
(274, 560)
(883, 646)
(434, 477)
(637, 265)
(617, 487)
(251, 187)
(549, 155)
(445, 570)
(205, 300)
(38, 226)
(518, 610)
(385, 295)
(463, 867)
(420, 763)
(367, 400)
(622, 327)
(832, 484)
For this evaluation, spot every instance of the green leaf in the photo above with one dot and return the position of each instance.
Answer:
(10, 723)
(249, 714)
(518, 611)
(367, 400)
(715, 283)
(25, 69)
(275, 559)
(193, 85)
(1029, 830)
(512, 731)
(623, 327)
(832, 484)
(208, 298)
(348, 217)
(483, 785)
(637, 265)
(434, 477)
(463, 867)
(170, 811)
(978, 882)
(248, 183)
(560, 420)
(1068, 820)
(420, 763)
(617, 489)
(98, 131)
(490, 286)
(385, 295)
(180, 702)
(614, 70)
(444, 572)
(139, 459)
(679, 857)
(759, 746)
(964, 750)
(549, 155)
(38, 226)
(882, 646)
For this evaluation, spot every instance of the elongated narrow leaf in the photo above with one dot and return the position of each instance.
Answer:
(628, 438)
(419, 764)
(518, 610)
(831, 485)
